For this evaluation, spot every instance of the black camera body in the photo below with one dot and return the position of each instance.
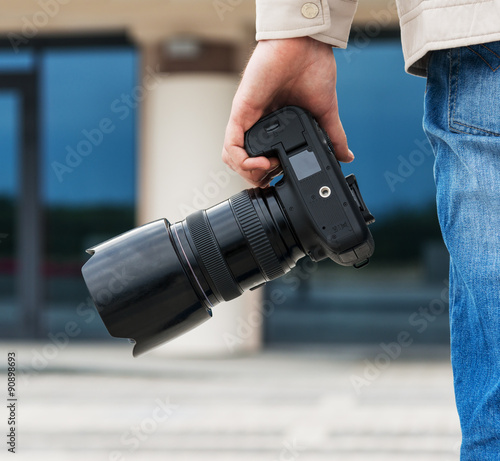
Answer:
(160, 280)
(326, 210)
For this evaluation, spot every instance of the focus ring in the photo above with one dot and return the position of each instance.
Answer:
(211, 256)
(256, 236)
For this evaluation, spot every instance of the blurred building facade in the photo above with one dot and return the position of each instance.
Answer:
(189, 54)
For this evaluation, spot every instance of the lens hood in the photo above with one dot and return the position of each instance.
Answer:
(140, 288)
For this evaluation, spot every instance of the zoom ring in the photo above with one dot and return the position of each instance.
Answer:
(211, 256)
(256, 236)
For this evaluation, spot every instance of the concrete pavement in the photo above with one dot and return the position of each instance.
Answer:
(94, 401)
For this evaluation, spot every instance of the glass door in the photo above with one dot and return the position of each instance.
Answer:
(21, 296)
(10, 114)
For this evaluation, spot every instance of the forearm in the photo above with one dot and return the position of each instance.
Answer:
(328, 21)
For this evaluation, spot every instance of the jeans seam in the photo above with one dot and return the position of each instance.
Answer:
(486, 62)
(451, 85)
(452, 127)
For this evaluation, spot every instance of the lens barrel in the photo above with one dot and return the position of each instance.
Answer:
(160, 280)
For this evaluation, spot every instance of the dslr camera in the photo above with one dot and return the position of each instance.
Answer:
(158, 281)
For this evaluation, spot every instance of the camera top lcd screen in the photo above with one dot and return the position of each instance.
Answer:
(304, 164)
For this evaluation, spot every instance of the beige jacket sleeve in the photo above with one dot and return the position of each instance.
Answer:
(328, 21)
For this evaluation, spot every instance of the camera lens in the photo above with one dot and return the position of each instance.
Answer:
(160, 280)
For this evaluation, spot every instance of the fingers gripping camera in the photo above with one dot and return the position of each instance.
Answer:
(160, 280)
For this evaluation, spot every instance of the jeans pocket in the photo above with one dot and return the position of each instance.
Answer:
(475, 90)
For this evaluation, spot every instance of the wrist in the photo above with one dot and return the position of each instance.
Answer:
(301, 47)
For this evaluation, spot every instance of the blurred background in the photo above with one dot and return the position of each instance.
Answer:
(112, 114)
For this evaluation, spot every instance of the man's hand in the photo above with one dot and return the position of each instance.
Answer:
(297, 71)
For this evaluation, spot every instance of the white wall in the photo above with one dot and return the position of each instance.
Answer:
(184, 119)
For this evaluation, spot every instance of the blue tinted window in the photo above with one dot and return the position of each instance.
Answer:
(381, 109)
(9, 141)
(10, 61)
(89, 102)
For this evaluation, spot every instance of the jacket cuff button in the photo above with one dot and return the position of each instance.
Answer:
(309, 10)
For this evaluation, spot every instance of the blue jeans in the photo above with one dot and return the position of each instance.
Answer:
(462, 122)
